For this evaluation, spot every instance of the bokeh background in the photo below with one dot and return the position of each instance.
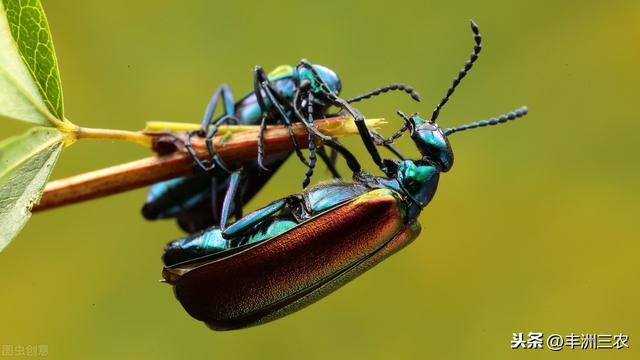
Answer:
(534, 229)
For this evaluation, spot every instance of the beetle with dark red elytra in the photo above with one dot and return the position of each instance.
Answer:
(297, 250)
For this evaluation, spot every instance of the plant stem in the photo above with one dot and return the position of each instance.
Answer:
(108, 134)
(239, 148)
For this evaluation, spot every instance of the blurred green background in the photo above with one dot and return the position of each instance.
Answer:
(534, 229)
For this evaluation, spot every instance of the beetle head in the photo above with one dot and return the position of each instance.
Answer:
(430, 140)
(311, 73)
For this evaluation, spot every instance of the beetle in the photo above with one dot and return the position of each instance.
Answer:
(195, 200)
(297, 250)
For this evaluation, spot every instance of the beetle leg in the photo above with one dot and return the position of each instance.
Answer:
(334, 156)
(263, 125)
(234, 181)
(312, 145)
(194, 155)
(330, 161)
(263, 85)
(227, 101)
(287, 122)
(312, 162)
(265, 114)
(215, 158)
(247, 223)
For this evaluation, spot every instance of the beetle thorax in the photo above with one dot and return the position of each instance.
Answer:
(418, 180)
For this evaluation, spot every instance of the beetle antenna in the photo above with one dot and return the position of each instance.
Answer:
(463, 72)
(518, 113)
(392, 87)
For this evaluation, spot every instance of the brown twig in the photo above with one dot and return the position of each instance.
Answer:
(128, 176)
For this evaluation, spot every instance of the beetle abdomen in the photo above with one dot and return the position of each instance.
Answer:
(288, 272)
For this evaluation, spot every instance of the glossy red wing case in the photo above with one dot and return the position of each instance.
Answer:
(279, 276)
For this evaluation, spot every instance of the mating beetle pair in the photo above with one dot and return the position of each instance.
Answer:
(298, 249)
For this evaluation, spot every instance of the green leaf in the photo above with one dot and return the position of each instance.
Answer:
(30, 87)
(25, 164)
